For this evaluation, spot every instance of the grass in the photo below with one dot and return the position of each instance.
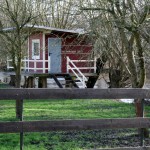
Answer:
(61, 109)
(67, 109)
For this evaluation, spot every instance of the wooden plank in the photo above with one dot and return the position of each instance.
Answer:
(10, 127)
(42, 82)
(73, 93)
(86, 74)
(91, 81)
(57, 81)
(62, 125)
(30, 82)
(127, 148)
(35, 74)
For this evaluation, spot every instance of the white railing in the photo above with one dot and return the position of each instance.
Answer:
(77, 70)
(26, 65)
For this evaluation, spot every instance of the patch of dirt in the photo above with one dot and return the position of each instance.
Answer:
(101, 138)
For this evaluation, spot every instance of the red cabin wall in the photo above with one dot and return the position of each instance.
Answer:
(72, 46)
(76, 50)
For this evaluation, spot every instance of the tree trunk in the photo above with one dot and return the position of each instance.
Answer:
(137, 76)
(115, 78)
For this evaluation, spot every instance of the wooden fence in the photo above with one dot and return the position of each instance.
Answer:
(44, 126)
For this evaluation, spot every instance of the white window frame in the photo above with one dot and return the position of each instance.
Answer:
(33, 42)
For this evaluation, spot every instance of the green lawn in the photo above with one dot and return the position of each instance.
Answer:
(61, 109)
(67, 109)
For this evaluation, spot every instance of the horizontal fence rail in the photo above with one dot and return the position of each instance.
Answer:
(64, 125)
(10, 94)
(126, 148)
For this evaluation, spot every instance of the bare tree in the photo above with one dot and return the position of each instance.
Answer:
(121, 30)
(59, 13)
(15, 16)
(121, 25)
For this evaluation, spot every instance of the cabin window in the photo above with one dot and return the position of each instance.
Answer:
(36, 49)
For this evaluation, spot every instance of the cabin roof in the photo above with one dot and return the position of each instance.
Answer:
(45, 28)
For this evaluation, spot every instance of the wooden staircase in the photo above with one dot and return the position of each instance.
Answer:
(72, 82)
(68, 79)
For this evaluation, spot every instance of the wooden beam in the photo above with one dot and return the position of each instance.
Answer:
(57, 81)
(125, 148)
(45, 93)
(42, 82)
(62, 125)
(30, 82)
(10, 127)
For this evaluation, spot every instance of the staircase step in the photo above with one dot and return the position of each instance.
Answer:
(85, 74)
(68, 79)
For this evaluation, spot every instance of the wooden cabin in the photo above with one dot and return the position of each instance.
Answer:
(59, 52)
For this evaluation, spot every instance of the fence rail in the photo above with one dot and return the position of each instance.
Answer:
(42, 126)
(126, 148)
(30, 93)
(65, 125)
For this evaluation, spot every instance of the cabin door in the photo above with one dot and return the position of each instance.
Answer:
(54, 49)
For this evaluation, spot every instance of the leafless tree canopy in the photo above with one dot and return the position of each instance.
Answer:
(15, 16)
(121, 31)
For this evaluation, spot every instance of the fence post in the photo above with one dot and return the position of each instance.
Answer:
(19, 113)
(142, 130)
(21, 119)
